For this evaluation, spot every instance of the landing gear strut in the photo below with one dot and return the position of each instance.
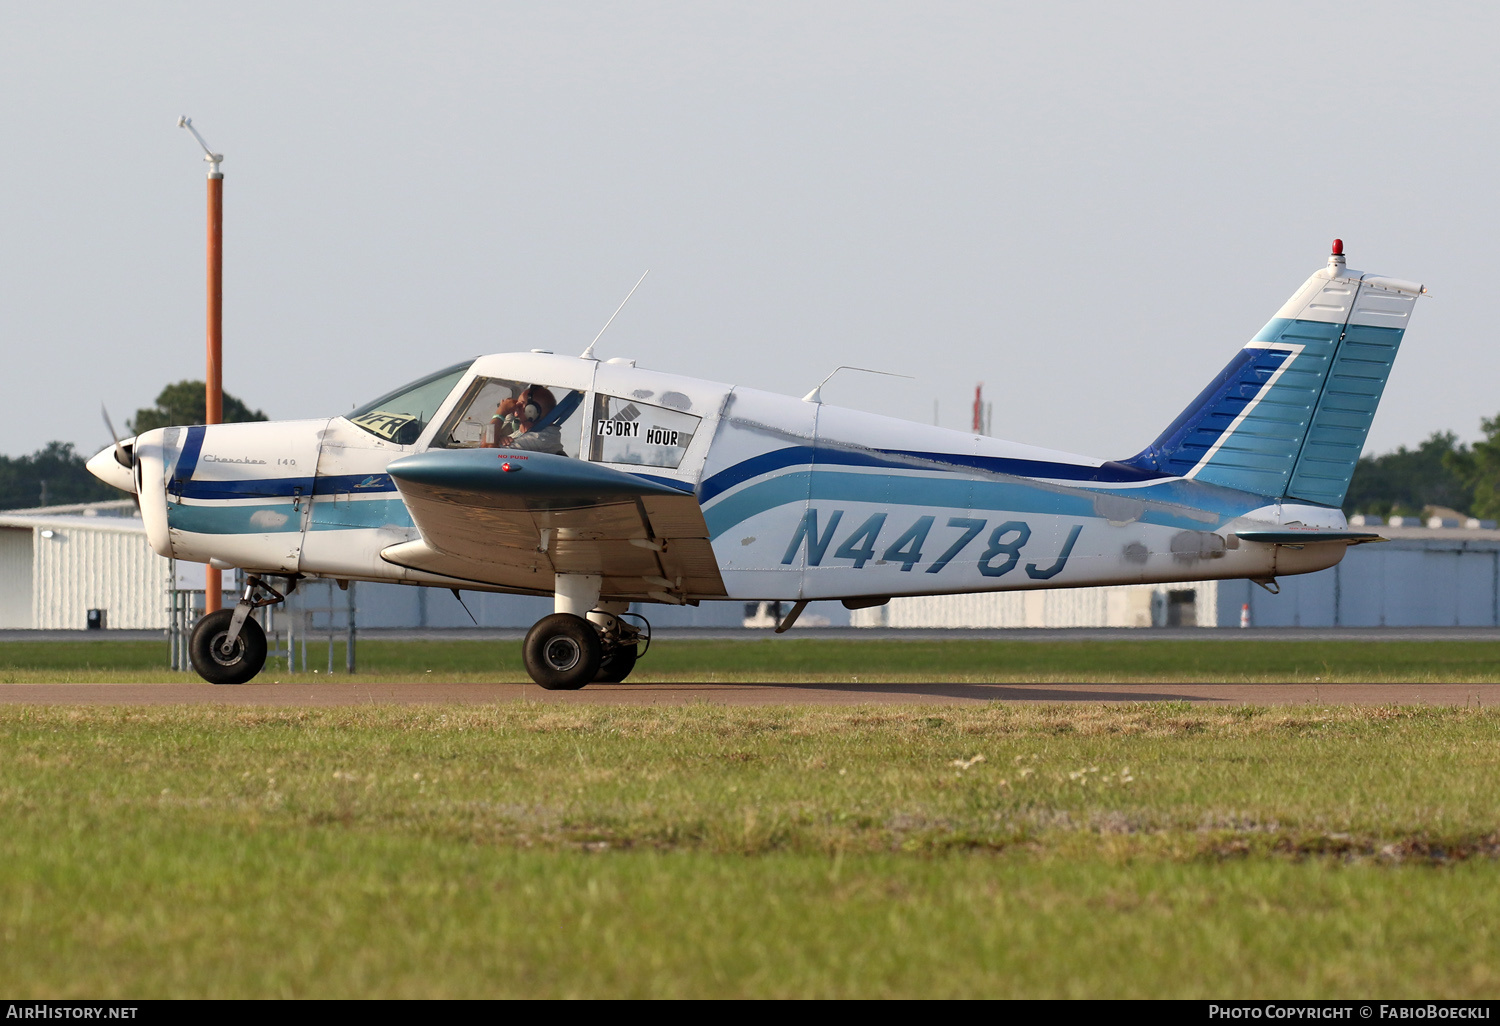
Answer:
(624, 643)
(228, 646)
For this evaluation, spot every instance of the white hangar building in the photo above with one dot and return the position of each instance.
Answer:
(1440, 576)
(58, 562)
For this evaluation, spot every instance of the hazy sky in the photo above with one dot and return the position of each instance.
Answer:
(1088, 207)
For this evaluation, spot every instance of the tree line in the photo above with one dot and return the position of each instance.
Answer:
(55, 475)
(1442, 471)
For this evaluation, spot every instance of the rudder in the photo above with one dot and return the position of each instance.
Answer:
(1288, 417)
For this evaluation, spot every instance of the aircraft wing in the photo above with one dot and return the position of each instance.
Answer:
(508, 518)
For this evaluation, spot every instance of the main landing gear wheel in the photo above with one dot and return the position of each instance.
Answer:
(617, 664)
(563, 652)
(242, 661)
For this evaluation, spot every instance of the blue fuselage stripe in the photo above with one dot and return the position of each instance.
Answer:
(187, 462)
(1168, 504)
(912, 459)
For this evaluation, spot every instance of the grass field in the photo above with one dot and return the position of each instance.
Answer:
(814, 661)
(526, 850)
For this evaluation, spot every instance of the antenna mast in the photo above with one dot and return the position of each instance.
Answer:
(588, 354)
(816, 395)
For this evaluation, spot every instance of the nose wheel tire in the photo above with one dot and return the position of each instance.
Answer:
(562, 652)
(245, 657)
(617, 664)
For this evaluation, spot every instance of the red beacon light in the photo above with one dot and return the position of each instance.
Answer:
(1338, 247)
(509, 467)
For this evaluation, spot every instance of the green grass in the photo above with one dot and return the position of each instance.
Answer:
(530, 850)
(812, 660)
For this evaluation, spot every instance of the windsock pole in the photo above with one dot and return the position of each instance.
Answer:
(213, 399)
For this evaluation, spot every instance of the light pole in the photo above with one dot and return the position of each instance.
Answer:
(213, 399)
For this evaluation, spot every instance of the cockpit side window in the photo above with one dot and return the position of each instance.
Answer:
(496, 413)
(631, 431)
(400, 416)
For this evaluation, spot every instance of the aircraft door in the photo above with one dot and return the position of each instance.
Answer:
(652, 422)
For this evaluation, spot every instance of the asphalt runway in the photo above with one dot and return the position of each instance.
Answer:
(354, 693)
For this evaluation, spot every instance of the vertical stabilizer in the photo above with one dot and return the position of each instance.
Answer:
(1288, 417)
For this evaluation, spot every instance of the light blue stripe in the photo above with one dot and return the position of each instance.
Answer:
(360, 513)
(219, 518)
(280, 518)
(1213, 505)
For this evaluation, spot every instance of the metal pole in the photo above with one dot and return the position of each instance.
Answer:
(330, 627)
(213, 399)
(349, 643)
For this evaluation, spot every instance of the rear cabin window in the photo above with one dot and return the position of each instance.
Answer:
(496, 413)
(400, 416)
(630, 431)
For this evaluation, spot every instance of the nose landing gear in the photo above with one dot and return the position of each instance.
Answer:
(228, 646)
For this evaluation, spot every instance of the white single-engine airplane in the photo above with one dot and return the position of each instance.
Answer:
(603, 484)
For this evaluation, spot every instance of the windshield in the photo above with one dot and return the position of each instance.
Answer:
(401, 415)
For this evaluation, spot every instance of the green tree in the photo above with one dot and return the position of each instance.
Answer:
(52, 476)
(184, 403)
(1479, 469)
(1402, 482)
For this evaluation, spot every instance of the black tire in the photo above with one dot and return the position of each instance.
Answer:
(247, 659)
(617, 664)
(562, 652)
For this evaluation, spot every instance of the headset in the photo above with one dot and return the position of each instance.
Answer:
(530, 410)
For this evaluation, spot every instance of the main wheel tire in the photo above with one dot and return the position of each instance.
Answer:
(617, 664)
(562, 652)
(243, 662)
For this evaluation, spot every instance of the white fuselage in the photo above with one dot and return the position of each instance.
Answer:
(798, 499)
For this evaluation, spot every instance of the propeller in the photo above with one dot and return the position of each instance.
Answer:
(123, 457)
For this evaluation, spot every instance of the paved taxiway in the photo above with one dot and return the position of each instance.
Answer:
(358, 693)
(1210, 634)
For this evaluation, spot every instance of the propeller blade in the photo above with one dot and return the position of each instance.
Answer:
(123, 458)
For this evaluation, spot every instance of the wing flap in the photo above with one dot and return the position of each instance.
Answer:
(518, 575)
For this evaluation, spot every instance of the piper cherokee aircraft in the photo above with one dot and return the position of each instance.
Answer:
(604, 484)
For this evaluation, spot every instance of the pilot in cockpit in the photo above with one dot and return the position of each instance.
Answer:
(524, 422)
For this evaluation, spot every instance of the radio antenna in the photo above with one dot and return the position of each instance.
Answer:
(588, 354)
(816, 395)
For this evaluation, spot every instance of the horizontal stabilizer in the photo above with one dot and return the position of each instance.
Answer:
(1308, 537)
